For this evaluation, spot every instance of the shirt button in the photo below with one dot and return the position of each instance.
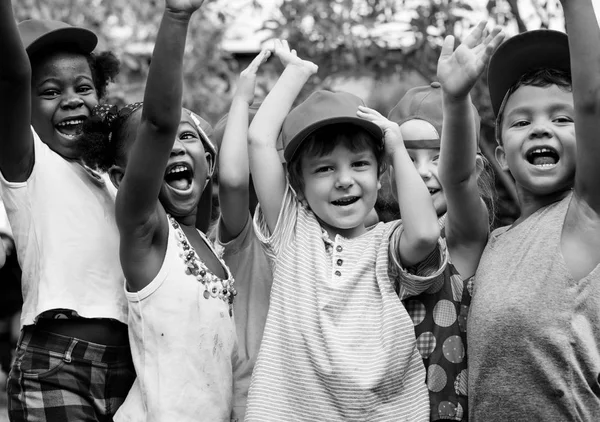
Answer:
(339, 248)
(340, 262)
(338, 273)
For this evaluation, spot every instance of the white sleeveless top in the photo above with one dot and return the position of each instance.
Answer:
(183, 343)
(63, 223)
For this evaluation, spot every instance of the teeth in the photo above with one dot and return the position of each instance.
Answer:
(70, 123)
(177, 169)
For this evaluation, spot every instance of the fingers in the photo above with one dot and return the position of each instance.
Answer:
(258, 60)
(476, 34)
(447, 47)
(497, 38)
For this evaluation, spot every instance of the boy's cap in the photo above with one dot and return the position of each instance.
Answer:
(38, 34)
(322, 108)
(528, 51)
(425, 103)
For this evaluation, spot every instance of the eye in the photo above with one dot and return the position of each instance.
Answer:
(563, 119)
(188, 135)
(520, 123)
(361, 163)
(323, 169)
(50, 93)
(85, 89)
(435, 158)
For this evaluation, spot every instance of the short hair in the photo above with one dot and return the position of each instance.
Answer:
(538, 78)
(324, 140)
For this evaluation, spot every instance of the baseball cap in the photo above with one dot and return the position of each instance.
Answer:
(38, 34)
(425, 103)
(322, 108)
(528, 51)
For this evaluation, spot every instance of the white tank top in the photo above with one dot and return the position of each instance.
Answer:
(183, 344)
(63, 223)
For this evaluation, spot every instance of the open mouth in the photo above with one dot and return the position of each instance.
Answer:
(70, 128)
(433, 191)
(179, 176)
(543, 156)
(349, 200)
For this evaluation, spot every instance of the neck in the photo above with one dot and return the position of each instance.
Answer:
(189, 220)
(530, 202)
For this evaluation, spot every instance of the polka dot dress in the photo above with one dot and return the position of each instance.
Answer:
(440, 319)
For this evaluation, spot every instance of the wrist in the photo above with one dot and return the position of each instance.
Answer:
(180, 16)
(304, 66)
(455, 98)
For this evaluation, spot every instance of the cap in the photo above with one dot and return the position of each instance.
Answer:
(528, 51)
(322, 108)
(205, 130)
(37, 34)
(425, 103)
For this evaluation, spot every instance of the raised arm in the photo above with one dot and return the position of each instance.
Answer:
(16, 141)
(584, 46)
(137, 201)
(233, 157)
(419, 219)
(267, 173)
(467, 223)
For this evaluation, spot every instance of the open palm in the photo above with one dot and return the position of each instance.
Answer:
(459, 69)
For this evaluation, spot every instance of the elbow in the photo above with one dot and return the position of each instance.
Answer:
(425, 241)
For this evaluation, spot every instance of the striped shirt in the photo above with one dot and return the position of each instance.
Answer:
(338, 344)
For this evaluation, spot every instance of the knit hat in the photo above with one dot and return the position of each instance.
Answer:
(39, 34)
(323, 108)
(425, 103)
(523, 53)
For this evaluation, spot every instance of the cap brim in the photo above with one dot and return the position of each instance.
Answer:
(295, 143)
(523, 53)
(83, 39)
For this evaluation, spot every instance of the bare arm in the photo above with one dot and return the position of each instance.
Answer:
(16, 141)
(233, 157)
(421, 229)
(137, 201)
(266, 169)
(467, 225)
(584, 46)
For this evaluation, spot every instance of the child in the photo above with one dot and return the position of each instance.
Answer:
(73, 361)
(338, 344)
(242, 251)
(180, 293)
(534, 322)
(441, 139)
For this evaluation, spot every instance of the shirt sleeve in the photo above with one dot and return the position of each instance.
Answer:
(417, 278)
(284, 230)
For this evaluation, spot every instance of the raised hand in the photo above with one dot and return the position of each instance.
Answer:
(459, 69)
(289, 57)
(186, 6)
(391, 131)
(247, 81)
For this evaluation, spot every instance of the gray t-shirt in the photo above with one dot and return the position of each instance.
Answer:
(534, 332)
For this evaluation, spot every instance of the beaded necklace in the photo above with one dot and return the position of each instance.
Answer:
(214, 286)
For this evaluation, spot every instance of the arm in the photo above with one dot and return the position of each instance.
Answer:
(233, 158)
(266, 169)
(16, 142)
(421, 229)
(136, 207)
(584, 46)
(467, 225)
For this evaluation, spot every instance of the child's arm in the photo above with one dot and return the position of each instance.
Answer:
(16, 141)
(467, 223)
(267, 173)
(584, 46)
(137, 202)
(419, 219)
(233, 156)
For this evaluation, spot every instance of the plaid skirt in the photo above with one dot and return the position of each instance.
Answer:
(59, 378)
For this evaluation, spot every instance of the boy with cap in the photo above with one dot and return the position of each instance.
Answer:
(534, 323)
(338, 344)
(440, 127)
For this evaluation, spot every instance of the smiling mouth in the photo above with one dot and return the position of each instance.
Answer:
(70, 128)
(543, 157)
(433, 191)
(179, 176)
(345, 201)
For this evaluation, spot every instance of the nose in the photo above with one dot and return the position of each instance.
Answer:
(540, 129)
(344, 179)
(71, 100)
(177, 148)
(424, 170)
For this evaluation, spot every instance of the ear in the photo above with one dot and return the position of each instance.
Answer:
(379, 182)
(479, 165)
(116, 174)
(300, 196)
(210, 162)
(501, 157)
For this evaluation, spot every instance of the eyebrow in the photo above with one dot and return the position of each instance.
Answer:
(552, 108)
(53, 79)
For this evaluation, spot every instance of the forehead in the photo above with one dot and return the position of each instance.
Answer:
(424, 153)
(59, 64)
(417, 129)
(529, 98)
